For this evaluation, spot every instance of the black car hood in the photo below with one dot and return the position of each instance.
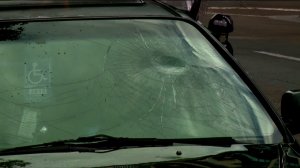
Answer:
(155, 157)
(256, 156)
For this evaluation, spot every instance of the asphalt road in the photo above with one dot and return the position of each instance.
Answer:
(266, 42)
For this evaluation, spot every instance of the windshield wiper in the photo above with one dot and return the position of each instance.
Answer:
(105, 143)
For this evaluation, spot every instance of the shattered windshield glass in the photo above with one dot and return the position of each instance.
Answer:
(125, 78)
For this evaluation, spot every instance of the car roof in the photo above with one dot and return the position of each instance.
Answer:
(140, 9)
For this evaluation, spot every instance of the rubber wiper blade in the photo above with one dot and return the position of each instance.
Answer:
(142, 142)
(213, 141)
(84, 144)
(81, 144)
(104, 143)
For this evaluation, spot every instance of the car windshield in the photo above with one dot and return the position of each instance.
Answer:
(138, 78)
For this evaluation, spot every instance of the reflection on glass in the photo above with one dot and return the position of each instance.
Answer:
(129, 78)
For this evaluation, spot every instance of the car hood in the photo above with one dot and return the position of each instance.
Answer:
(174, 156)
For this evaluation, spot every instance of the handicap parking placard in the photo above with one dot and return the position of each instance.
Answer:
(37, 79)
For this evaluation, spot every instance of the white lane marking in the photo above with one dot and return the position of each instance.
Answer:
(28, 123)
(257, 8)
(278, 55)
(246, 38)
(290, 18)
(235, 14)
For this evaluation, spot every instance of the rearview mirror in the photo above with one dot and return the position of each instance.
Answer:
(290, 110)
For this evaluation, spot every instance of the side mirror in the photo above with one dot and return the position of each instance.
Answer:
(290, 110)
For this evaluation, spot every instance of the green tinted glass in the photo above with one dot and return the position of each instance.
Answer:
(129, 78)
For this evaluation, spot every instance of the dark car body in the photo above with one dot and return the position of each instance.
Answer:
(145, 71)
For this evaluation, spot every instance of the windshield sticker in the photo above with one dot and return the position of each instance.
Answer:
(37, 79)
